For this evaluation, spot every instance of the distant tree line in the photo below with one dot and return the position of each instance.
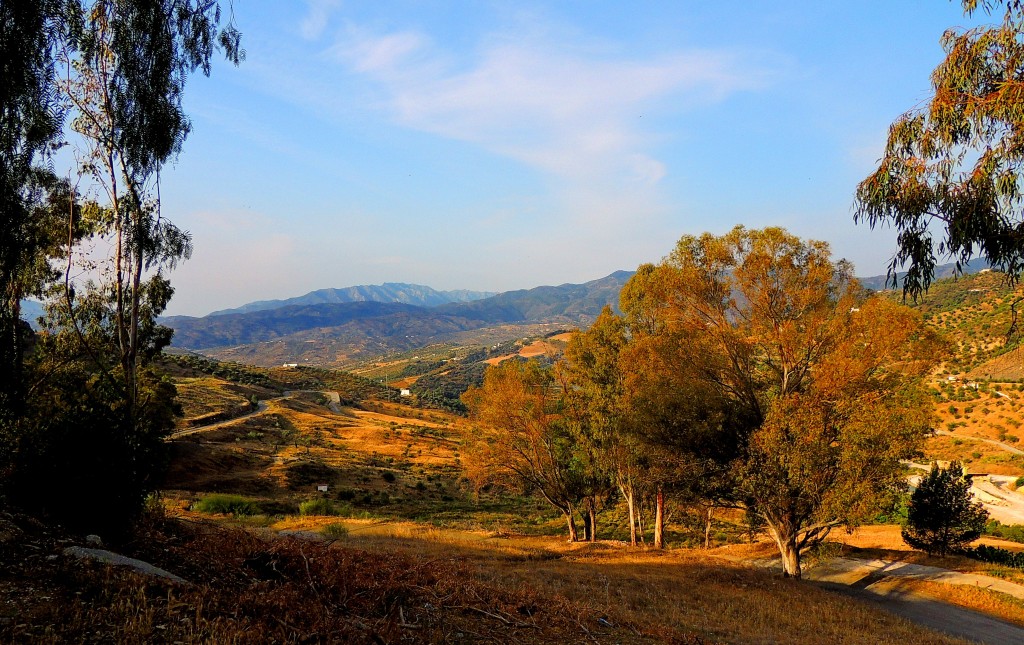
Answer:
(747, 371)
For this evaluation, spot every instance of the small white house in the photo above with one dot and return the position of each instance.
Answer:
(291, 365)
(405, 392)
(321, 488)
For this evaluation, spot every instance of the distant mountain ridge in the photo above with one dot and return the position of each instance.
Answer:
(389, 292)
(325, 333)
(881, 282)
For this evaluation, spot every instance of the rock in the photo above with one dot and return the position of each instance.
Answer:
(109, 557)
(94, 540)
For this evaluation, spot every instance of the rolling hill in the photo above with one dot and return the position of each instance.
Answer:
(335, 333)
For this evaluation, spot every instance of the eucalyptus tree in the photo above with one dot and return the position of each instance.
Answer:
(595, 401)
(119, 67)
(950, 178)
(523, 440)
(30, 122)
(807, 389)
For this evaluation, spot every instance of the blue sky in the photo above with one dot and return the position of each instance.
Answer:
(505, 145)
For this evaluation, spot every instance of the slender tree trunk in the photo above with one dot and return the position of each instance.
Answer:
(640, 524)
(659, 520)
(627, 492)
(707, 528)
(572, 526)
(592, 517)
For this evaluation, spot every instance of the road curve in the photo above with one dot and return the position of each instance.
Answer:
(260, 407)
(333, 402)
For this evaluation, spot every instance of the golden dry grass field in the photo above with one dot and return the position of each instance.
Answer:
(395, 484)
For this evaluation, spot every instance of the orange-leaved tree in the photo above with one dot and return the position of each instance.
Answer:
(523, 441)
(809, 385)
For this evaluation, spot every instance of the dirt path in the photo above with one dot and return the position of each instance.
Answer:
(883, 582)
(260, 408)
(967, 437)
(333, 402)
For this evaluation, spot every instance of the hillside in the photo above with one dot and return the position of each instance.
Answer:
(339, 333)
(400, 521)
(395, 292)
(881, 282)
(975, 314)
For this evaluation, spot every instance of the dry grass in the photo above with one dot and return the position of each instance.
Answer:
(685, 591)
(981, 600)
(245, 589)
(884, 542)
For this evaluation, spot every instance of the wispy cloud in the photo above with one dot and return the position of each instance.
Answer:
(317, 17)
(550, 106)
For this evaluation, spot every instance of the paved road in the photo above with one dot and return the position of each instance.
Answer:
(884, 582)
(934, 614)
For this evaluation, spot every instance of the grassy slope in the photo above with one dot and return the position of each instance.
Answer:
(429, 513)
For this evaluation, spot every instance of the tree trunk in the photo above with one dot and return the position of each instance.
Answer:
(659, 520)
(786, 540)
(627, 492)
(640, 524)
(572, 527)
(707, 528)
(592, 516)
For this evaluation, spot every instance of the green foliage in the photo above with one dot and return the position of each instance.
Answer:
(323, 506)
(335, 531)
(954, 160)
(234, 372)
(942, 517)
(996, 555)
(1011, 532)
(222, 504)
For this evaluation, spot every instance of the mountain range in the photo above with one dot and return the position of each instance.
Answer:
(410, 294)
(335, 326)
(329, 333)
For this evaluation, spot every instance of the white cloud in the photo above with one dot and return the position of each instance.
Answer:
(548, 106)
(316, 19)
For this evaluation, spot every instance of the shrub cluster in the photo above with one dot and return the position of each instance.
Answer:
(996, 555)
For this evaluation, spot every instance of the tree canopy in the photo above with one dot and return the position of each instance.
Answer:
(950, 179)
(942, 516)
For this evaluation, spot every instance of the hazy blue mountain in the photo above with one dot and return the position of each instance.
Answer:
(878, 282)
(572, 304)
(409, 294)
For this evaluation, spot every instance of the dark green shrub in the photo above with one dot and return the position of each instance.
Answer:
(334, 531)
(322, 506)
(222, 504)
(942, 517)
(305, 474)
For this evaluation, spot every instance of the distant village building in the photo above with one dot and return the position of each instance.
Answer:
(291, 365)
(405, 392)
(321, 488)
